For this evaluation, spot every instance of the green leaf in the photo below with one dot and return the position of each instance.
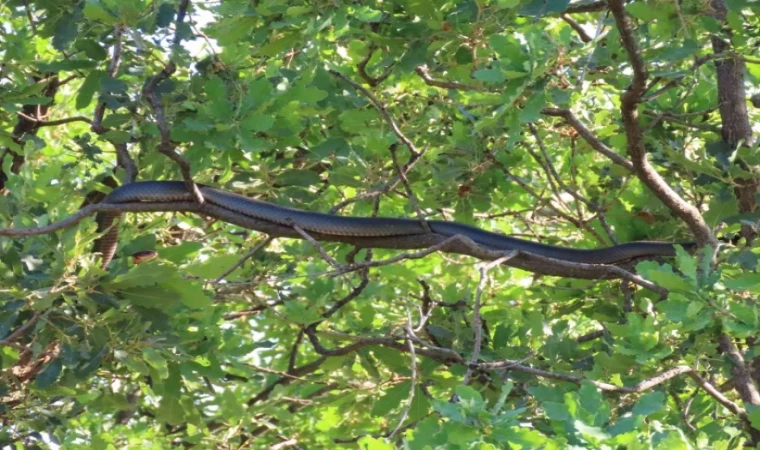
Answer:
(540, 8)
(367, 14)
(649, 404)
(470, 397)
(256, 123)
(371, 443)
(556, 411)
(116, 136)
(49, 374)
(642, 11)
(722, 206)
(300, 313)
(754, 418)
(213, 267)
(89, 87)
(110, 85)
(310, 95)
(232, 405)
(150, 297)
(670, 281)
(116, 120)
(687, 263)
(92, 49)
(147, 274)
(303, 178)
(391, 360)
(745, 282)
(260, 91)
(589, 431)
(328, 419)
(165, 15)
(171, 411)
(280, 44)
(590, 398)
(490, 76)
(215, 88)
(65, 31)
(66, 65)
(156, 361)
(523, 437)
(331, 147)
(532, 110)
(95, 10)
(190, 293)
(391, 400)
(180, 253)
(508, 4)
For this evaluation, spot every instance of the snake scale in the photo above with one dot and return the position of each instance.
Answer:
(332, 225)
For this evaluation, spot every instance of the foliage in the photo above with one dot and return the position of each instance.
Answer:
(164, 353)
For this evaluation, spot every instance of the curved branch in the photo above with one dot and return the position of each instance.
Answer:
(448, 356)
(588, 136)
(636, 149)
(636, 388)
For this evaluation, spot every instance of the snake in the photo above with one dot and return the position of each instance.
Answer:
(336, 225)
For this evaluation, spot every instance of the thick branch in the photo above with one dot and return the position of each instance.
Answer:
(742, 379)
(636, 149)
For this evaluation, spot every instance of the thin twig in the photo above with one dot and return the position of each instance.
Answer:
(588, 136)
(578, 223)
(294, 351)
(21, 330)
(668, 117)
(52, 123)
(113, 68)
(388, 187)
(638, 387)
(32, 22)
(362, 68)
(338, 266)
(584, 37)
(413, 380)
(381, 109)
(256, 310)
(424, 73)
(477, 322)
(412, 197)
(552, 173)
(591, 336)
(240, 262)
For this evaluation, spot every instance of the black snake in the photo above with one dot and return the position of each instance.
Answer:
(332, 225)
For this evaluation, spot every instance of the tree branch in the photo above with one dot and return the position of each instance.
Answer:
(636, 149)
(588, 136)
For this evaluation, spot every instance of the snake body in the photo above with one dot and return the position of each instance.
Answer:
(325, 224)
